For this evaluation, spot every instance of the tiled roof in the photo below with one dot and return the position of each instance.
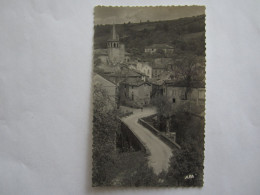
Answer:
(135, 82)
(158, 66)
(163, 61)
(125, 72)
(156, 81)
(97, 76)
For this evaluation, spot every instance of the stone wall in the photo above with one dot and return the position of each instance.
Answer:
(131, 139)
(166, 140)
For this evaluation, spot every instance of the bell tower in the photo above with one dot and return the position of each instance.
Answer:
(114, 48)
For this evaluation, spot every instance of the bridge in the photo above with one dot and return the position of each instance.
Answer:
(158, 152)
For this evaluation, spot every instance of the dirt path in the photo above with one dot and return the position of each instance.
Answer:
(160, 152)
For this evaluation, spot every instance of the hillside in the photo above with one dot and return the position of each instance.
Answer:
(185, 34)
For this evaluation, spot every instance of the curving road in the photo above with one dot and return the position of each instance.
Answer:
(160, 152)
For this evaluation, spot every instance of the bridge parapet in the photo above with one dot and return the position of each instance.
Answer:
(133, 139)
(156, 132)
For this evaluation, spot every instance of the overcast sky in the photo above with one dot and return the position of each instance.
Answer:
(108, 15)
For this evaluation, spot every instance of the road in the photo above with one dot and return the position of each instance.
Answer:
(160, 152)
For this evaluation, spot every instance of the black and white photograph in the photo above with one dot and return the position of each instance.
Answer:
(148, 89)
(123, 97)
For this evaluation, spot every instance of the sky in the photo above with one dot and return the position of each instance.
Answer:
(119, 15)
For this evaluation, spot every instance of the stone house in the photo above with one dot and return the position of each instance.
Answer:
(163, 61)
(135, 92)
(123, 73)
(107, 85)
(167, 49)
(157, 69)
(191, 99)
(145, 68)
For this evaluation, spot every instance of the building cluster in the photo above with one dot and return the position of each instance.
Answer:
(164, 48)
(135, 83)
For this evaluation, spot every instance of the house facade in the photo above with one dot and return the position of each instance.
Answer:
(135, 92)
(107, 85)
(157, 71)
(190, 99)
(145, 68)
(167, 49)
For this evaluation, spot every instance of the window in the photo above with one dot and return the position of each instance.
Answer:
(173, 100)
(132, 96)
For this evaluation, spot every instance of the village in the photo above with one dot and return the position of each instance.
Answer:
(136, 83)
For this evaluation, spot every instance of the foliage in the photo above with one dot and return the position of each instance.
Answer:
(164, 112)
(97, 62)
(186, 169)
(104, 131)
(134, 170)
(188, 72)
(109, 166)
(143, 34)
(186, 166)
(163, 106)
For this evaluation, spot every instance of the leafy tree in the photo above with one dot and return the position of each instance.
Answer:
(185, 170)
(186, 166)
(97, 62)
(166, 27)
(104, 131)
(164, 111)
(186, 71)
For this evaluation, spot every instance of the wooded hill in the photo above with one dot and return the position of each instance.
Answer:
(187, 35)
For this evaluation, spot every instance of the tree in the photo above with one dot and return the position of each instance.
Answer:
(164, 111)
(104, 132)
(186, 72)
(186, 166)
(185, 170)
(97, 61)
(165, 27)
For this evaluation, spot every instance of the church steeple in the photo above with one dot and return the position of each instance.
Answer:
(115, 50)
(113, 42)
(114, 32)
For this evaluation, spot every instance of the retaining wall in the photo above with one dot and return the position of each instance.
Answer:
(165, 139)
(133, 140)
